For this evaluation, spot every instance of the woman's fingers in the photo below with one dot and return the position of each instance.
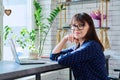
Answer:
(71, 38)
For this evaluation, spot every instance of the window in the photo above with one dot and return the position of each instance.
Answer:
(21, 16)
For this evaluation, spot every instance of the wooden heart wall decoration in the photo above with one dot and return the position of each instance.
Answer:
(8, 11)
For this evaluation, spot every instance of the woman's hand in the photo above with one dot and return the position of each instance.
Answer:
(71, 38)
(62, 43)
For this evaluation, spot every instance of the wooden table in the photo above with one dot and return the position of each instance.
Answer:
(10, 70)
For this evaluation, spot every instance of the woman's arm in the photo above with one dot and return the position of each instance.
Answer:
(62, 43)
(57, 51)
(59, 46)
(55, 56)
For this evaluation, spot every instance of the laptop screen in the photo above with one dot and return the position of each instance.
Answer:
(14, 52)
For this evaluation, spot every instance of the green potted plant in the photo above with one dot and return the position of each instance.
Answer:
(7, 31)
(44, 25)
(26, 39)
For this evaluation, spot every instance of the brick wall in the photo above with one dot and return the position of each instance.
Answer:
(114, 36)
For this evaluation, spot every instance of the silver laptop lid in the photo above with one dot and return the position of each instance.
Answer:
(14, 52)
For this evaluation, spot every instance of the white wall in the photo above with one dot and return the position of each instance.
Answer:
(114, 36)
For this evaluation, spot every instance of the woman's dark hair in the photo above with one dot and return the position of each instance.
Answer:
(91, 34)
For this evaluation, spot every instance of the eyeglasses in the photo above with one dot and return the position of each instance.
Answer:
(79, 27)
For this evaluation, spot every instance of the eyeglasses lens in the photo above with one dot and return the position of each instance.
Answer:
(80, 26)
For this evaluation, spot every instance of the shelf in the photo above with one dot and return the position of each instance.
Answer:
(102, 27)
(67, 27)
(95, 27)
(79, 2)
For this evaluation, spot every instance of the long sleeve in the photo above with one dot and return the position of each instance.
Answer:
(55, 56)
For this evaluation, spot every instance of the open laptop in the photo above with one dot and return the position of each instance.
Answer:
(23, 61)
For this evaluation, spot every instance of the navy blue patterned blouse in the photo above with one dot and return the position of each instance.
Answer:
(87, 62)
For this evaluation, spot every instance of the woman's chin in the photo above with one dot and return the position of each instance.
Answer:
(76, 37)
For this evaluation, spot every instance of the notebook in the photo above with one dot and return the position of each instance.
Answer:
(23, 61)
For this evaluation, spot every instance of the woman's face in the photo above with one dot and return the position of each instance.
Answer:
(79, 29)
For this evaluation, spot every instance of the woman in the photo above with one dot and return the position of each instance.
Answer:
(86, 58)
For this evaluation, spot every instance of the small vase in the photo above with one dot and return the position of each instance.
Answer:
(68, 0)
(99, 23)
(33, 55)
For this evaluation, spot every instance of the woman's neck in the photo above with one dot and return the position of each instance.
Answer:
(81, 41)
